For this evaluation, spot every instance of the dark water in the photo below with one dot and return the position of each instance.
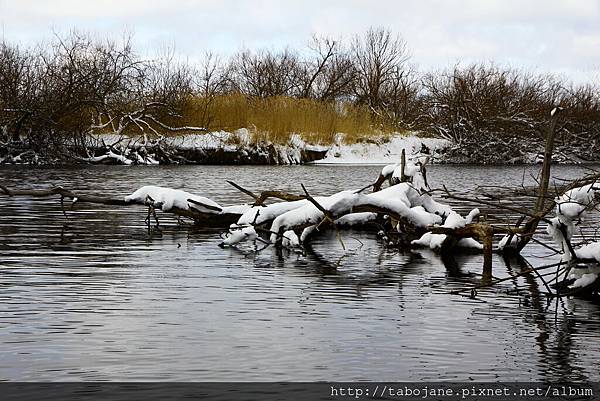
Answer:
(95, 297)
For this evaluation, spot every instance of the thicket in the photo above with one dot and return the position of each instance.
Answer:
(53, 96)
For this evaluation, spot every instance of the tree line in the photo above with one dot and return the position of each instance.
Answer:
(52, 96)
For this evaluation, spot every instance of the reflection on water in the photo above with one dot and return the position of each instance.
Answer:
(95, 297)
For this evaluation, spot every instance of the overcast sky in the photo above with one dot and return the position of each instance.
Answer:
(559, 36)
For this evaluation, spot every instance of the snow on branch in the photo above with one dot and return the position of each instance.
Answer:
(168, 198)
(570, 208)
(406, 206)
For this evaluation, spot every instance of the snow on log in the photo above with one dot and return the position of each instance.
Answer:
(453, 221)
(412, 171)
(585, 280)
(290, 239)
(575, 201)
(406, 205)
(589, 274)
(270, 212)
(590, 251)
(356, 219)
(166, 199)
(504, 242)
(570, 207)
(236, 236)
(202, 210)
(469, 243)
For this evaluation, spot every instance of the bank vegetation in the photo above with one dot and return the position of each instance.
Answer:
(55, 96)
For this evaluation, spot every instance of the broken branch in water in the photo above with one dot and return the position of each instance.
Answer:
(210, 215)
(405, 211)
(259, 200)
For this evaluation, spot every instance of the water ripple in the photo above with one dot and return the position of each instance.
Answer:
(94, 297)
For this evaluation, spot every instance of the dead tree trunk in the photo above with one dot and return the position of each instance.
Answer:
(206, 219)
(530, 226)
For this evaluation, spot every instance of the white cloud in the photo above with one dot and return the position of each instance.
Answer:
(549, 35)
(85, 9)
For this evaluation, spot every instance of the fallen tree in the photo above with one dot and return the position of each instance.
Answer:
(406, 215)
(202, 211)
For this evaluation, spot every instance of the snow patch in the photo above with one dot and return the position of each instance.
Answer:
(356, 219)
(589, 251)
(236, 236)
(570, 207)
(382, 152)
(584, 280)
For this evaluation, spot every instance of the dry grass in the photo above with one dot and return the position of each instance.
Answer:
(275, 119)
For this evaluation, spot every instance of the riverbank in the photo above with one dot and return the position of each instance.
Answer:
(242, 148)
(498, 150)
(233, 148)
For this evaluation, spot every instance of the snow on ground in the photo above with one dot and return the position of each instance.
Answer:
(211, 140)
(240, 141)
(382, 152)
(377, 151)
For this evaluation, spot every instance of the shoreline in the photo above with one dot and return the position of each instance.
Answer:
(238, 148)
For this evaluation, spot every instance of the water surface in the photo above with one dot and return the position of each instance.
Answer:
(94, 296)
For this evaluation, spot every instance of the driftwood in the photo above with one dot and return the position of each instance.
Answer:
(483, 232)
(259, 200)
(64, 193)
(200, 218)
(390, 222)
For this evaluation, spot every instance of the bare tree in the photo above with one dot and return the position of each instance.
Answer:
(331, 74)
(213, 77)
(266, 73)
(57, 88)
(378, 57)
(401, 98)
(17, 87)
(167, 80)
(54, 96)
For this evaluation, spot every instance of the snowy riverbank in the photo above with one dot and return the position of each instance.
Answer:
(219, 147)
(237, 147)
(240, 147)
(383, 151)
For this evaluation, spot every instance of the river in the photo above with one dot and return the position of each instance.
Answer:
(96, 297)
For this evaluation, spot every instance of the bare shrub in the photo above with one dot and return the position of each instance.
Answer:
(466, 102)
(52, 97)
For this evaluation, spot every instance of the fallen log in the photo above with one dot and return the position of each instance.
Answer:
(202, 213)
